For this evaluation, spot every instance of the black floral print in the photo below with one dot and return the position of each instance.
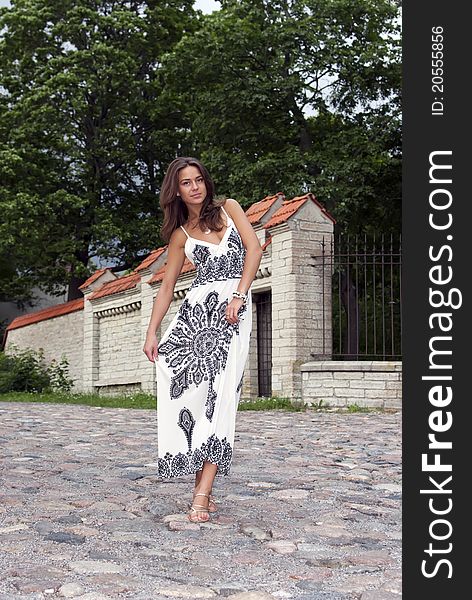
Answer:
(197, 348)
(187, 423)
(219, 267)
(213, 450)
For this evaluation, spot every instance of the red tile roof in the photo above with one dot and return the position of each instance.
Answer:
(47, 313)
(93, 277)
(257, 210)
(290, 207)
(121, 284)
(151, 258)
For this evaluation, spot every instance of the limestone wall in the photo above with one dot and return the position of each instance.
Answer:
(62, 335)
(118, 348)
(373, 384)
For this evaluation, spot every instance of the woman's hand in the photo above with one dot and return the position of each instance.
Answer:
(232, 310)
(150, 347)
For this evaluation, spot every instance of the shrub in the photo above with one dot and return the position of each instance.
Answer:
(26, 371)
(59, 375)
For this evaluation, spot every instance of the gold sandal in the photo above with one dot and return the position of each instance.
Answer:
(200, 509)
(212, 500)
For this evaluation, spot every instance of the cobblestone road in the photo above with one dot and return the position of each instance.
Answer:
(311, 509)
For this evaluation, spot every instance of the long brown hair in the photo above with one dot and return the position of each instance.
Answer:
(174, 208)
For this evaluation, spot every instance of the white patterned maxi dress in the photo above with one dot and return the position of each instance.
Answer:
(200, 364)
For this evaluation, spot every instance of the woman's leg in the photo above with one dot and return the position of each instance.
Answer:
(203, 485)
(198, 478)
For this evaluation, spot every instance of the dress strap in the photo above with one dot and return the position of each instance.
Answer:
(182, 227)
(228, 218)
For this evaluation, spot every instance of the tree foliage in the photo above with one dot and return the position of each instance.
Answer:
(84, 135)
(98, 96)
(298, 95)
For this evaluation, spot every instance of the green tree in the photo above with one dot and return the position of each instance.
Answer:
(85, 133)
(97, 96)
(359, 163)
(298, 95)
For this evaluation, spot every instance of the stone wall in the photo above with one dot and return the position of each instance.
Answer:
(118, 346)
(63, 335)
(373, 384)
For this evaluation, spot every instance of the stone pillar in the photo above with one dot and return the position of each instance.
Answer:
(91, 347)
(149, 291)
(91, 330)
(250, 380)
(301, 308)
(148, 370)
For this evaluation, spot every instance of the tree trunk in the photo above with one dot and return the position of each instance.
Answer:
(73, 291)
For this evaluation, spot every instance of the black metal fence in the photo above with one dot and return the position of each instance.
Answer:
(366, 296)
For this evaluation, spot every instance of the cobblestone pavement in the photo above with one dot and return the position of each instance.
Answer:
(311, 509)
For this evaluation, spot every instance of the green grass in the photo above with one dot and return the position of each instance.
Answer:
(274, 403)
(355, 408)
(137, 400)
(148, 401)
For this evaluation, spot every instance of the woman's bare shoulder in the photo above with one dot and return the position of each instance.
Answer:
(178, 238)
(232, 206)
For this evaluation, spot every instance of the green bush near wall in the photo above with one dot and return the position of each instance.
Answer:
(25, 370)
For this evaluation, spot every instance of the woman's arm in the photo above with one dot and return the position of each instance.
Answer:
(253, 254)
(175, 260)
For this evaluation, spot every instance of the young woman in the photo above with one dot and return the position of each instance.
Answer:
(201, 356)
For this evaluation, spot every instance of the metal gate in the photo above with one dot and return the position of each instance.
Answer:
(264, 343)
(366, 296)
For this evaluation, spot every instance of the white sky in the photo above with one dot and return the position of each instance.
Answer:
(206, 6)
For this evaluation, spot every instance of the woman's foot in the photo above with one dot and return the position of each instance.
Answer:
(212, 508)
(211, 503)
(199, 512)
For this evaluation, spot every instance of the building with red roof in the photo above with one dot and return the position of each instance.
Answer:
(102, 334)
